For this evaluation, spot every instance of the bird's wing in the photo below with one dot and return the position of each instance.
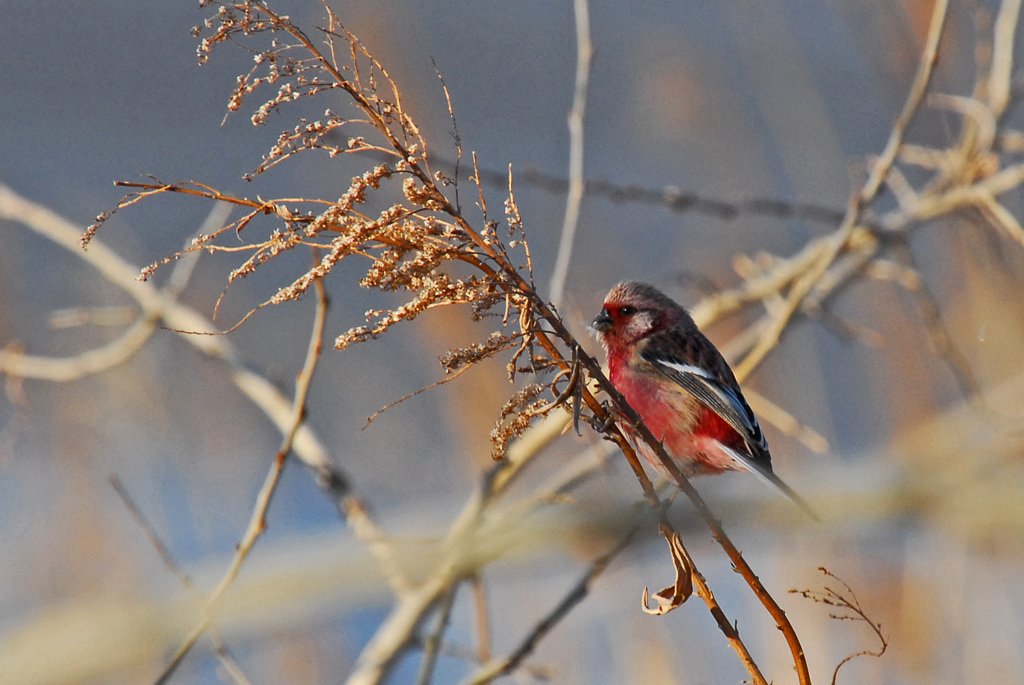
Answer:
(729, 404)
(717, 396)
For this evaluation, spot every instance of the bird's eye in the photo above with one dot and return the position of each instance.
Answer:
(627, 311)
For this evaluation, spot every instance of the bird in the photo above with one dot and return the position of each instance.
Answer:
(682, 387)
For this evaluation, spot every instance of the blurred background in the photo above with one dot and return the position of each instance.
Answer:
(920, 489)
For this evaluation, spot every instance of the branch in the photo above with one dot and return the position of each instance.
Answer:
(579, 591)
(258, 519)
(584, 51)
(16, 364)
(1001, 73)
(161, 306)
(68, 369)
(432, 647)
(832, 598)
(226, 660)
(858, 201)
(462, 559)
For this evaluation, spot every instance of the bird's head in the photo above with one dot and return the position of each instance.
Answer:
(633, 311)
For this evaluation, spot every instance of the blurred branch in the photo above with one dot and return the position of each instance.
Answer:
(258, 520)
(924, 474)
(498, 667)
(671, 198)
(584, 51)
(778, 321)
(463, 556)
(432, 645)
(918, 88)
(226, 660)
(483, 625)
(147, 528)
(17, 364)
(1000, 77)
(928, 312)
(289, 583)
(193, 328)
(117, 352)
(160, 305)
(786, 423)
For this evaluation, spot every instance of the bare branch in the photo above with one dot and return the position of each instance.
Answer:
(69, 369)
(1000, 76)
(880, 169)
(161, 306)
(258, 522)
(848, 602)
(227, 661)
(495, 668)
(432, 648)
(584, 51)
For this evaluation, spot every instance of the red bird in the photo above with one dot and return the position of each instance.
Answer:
(681, 386)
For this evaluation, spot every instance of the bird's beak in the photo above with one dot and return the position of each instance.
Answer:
(602, 322)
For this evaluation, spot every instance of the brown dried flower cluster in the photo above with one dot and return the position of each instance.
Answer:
(420, 245)
(515, 416)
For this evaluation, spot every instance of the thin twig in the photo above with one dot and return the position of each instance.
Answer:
(257, 521)
(456, 136)
(728, 629)
(221, 650)
(669, 197)
(434, 642)
(584, 51)
(390, 405)
(579, 591)
(928, 311)
(161, 549)
(483, 627)
(218, 216)
(839, 600)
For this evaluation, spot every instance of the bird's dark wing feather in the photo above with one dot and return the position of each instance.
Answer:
(725, 399)
(696, 366)
(713, 393)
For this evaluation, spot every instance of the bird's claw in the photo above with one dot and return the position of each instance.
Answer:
(601, 425)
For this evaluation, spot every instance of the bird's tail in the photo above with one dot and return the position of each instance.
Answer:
(766, 474)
